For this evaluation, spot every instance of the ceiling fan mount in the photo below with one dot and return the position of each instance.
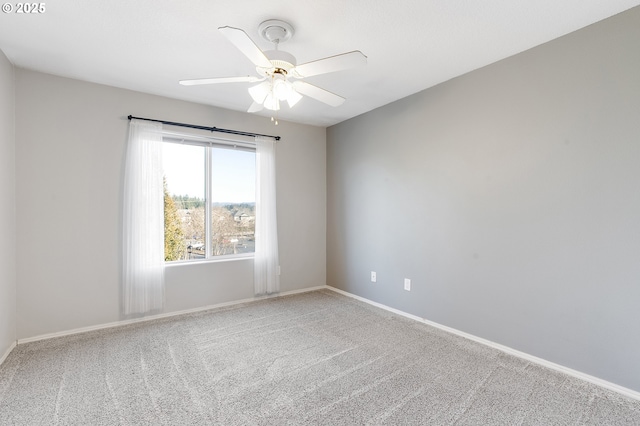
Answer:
(275, 31)
(280, 77)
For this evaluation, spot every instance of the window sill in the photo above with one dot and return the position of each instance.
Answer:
(217, 259)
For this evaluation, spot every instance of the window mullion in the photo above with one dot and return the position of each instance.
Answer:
(207, 204)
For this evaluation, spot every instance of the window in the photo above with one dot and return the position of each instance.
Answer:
(209, 199)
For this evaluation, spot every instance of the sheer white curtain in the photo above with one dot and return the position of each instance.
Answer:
(143, 220)
(266, 263)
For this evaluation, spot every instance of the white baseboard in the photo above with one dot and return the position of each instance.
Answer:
(160, 316)
(557, 367)
(6, 354)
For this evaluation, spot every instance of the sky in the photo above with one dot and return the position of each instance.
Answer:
(233, 172)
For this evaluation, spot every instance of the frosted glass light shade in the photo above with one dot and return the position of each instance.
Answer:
(293, 97)
(271, 102)
(281, 89)
(260, 92)
(269, 94)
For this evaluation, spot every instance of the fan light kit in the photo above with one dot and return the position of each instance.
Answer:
(278, 73)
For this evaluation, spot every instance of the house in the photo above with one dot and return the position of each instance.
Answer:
(243, 217)
(521, 176)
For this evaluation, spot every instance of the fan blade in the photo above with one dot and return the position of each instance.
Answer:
(317, 93)
(243, 42)
(332, 64)
(244, 79)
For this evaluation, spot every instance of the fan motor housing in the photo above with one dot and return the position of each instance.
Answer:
(281, 59)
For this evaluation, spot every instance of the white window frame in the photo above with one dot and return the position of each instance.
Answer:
(208, 143)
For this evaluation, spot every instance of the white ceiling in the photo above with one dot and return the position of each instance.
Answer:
(148, 45)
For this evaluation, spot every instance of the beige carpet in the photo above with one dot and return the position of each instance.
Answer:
(315, 358)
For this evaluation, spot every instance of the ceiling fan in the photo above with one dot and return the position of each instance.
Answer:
(279, 76)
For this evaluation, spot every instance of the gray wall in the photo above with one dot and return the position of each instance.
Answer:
(70, 139)
(511, 197)
(7, 207)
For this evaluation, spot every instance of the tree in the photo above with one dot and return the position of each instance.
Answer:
(174, 246)
(223, 231)
(193, 225)
(188, 202)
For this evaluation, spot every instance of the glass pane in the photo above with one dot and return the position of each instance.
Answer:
(233, 203)
(184, 217)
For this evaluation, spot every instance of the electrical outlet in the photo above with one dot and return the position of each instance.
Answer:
(407, 284)
(373, 277)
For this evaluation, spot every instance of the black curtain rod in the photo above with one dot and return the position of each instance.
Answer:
(211, 129)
